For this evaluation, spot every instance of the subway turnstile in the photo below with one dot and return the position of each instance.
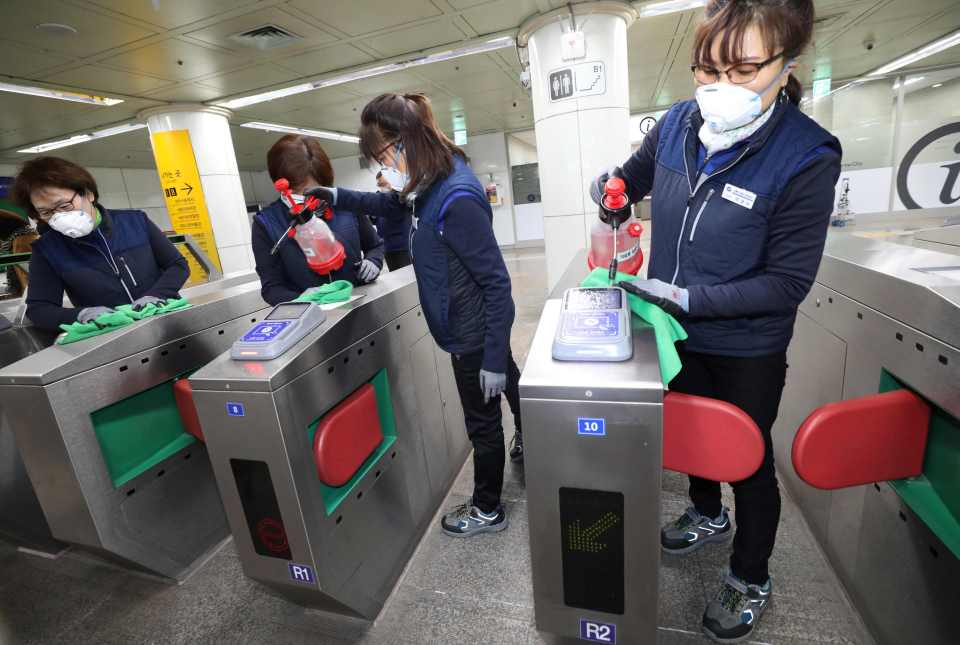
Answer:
(333, 458)
(593, 451)
(113, 461)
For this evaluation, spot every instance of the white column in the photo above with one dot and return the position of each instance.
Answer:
(583, 133)
(222, 190)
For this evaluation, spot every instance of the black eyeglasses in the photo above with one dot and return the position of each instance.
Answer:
(45, 213)
(738, 74)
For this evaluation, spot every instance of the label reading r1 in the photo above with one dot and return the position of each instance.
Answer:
(592, 427)
(598, 632)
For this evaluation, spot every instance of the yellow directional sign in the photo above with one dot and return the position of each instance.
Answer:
(180, 180)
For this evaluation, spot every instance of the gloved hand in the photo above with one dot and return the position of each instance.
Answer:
(492, 384)
(326, 194)
(143, 301)
(596, 186)
(367, 271)
(669, 297)
(89, 314)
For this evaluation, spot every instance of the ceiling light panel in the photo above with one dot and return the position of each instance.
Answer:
(290, 129)
(82, 138)
(672, 6)
(60, 95)
(481, 47)
(937, 46)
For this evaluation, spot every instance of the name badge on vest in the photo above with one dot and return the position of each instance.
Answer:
(740, 196)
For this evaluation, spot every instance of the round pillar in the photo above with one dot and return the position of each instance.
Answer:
(581, 109)
(200, 179)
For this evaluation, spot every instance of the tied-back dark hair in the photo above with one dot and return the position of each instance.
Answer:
(408, 119)
(785, 25)
(50, 172)
(297, 157)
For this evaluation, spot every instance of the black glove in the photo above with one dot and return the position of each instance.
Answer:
(598, 183)
(328, 197)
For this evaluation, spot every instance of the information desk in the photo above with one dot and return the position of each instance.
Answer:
(592, 433)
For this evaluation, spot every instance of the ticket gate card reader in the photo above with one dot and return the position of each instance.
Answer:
(283, 327)
(594, 326)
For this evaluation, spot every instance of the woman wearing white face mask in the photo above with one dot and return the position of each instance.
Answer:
(101, 258)
(743, 187)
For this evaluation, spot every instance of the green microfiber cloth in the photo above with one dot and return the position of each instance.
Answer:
(145, 312)
(102, 325)
(173, 304)
(336, 291)
(665, 327)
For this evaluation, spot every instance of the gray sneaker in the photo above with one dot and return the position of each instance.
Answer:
(691, 531)
(732, 616)
(467, 520)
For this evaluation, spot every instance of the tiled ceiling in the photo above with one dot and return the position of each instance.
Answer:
(151, 52)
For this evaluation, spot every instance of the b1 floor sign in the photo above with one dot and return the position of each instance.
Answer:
(582, 79)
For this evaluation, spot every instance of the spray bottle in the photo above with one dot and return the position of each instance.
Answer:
(614, 211)
(323, 252)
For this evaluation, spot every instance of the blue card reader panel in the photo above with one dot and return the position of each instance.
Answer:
(283, 327)
(594, 325)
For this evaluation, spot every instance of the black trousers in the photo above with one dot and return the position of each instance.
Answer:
(485, 425)
(397, 259)
(755, 385)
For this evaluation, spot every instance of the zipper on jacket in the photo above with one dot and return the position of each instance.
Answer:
(113, 263)
(683, 226)
(134, 280)
(693, 229)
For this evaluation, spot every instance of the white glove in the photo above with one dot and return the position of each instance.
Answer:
(143, 301)
(669, 297)
(368, 271)
(492, 384)
(89, 314)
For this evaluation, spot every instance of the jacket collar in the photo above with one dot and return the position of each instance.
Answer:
(753, 143)
(755, 140)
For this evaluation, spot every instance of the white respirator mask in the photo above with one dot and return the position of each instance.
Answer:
(297, 199)
(73, 224)
(725, 106)
(396, 179)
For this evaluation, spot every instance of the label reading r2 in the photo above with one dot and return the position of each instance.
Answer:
(592, 427)
(598, 632)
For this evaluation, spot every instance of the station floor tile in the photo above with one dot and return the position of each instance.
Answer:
(463, 592)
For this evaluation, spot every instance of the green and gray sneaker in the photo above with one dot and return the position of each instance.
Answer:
(692, 530)
(467, 520)
(732, 616)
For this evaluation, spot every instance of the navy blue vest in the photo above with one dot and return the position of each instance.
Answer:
(452, 301)
(703, 238)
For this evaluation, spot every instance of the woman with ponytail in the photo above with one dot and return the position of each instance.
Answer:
(463, 282)
(743, 187)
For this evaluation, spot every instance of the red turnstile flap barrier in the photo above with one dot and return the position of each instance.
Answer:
(346, 436)
(871, 439)
(183, 394)
(709, 438)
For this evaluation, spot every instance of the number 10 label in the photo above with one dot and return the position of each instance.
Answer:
(592, 427)
(598, 632)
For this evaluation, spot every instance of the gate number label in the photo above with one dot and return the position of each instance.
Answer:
(235, 409)
(592, 427)
(598, 632)
(303, 573)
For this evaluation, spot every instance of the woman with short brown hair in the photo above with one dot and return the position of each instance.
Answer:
(101, 258)
(281, 264)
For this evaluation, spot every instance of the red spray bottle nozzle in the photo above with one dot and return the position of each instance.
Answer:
(614, 194)
(281, 184)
